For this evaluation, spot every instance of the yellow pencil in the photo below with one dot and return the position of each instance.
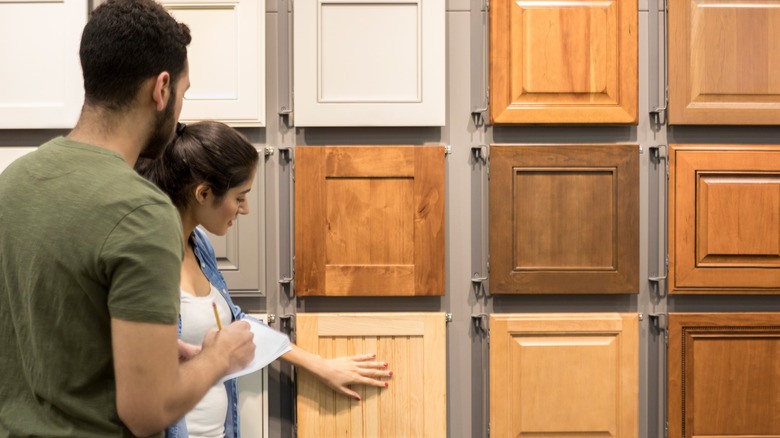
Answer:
(216, 314)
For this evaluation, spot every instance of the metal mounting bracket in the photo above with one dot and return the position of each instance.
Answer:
(658, 226)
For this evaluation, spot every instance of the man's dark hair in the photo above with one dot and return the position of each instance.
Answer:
(126, 42)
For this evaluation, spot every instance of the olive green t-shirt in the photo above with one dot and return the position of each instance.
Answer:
(83, 239)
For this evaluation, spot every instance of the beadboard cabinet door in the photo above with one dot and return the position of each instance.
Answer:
(573, 375)
(253, 398)
(724, 57)
(414, 402)
(564, 219)
(369, 220)
(41, 86)
(563, 61)
(724, 219)
(369, 63)
(226, 58)
(724, 375)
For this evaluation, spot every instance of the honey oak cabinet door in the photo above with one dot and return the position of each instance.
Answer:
(413, 405)
(41, 86)
(563, 61)
(724, 57)
(564, 219)
(253, 399)
(573, 375)
(724, 219)
(226, 58)
(369, 220)
(724, 375)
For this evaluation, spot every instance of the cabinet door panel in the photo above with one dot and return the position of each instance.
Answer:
(369, 220)
(563, 62)
(564, 219)
(564, 374)
(253, 399)
(414, 403)
(9, 154)
(724, 378)
(724, 219)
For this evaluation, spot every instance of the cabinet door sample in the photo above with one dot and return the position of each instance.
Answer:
(557, 61)
(226, 58)
(369, 220)
(573, 375)
(724, 57)
(10, 154)
(41, 86)
(413, 405)
(369, 63)
(724, 219)
(564, 219)
(253, 399)
(724, 377)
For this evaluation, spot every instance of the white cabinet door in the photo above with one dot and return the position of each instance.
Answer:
(40, 75)
(9, 154)
(227, 60)
(253, 399)
(369, 62)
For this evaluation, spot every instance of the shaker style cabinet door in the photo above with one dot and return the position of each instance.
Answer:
(724, 57)
(564, 219)
(572, 375)
(253, 399)
(724, 219)
(557, 61)
(369, 220)
(369, 62)
(41, 86)
(724, 375)
(414, 402)
(227, 60)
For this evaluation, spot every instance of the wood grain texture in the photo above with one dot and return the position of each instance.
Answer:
(563, 62)
(564, 219)
(574, 375)
(724, 219)
(723, 375)
(414, 403)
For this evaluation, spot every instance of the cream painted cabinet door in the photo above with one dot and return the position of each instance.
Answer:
(9, 154)
(253, 399)
(227, 60)
(413, 405)
(572, 375)
(369, 62)
(41, 86)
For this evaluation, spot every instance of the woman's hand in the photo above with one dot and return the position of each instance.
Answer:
(340, 372)
(187, 351)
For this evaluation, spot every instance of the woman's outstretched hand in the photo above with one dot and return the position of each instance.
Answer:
(340, 372)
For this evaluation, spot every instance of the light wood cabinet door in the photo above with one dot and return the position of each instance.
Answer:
(369, 220)
(724, 219)
(724, 375)
(563, 61)
(564, 219)
(41, 86)
(724, 57)
(572, 375)
(413, 405)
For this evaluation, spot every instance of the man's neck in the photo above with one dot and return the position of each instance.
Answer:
(115, 131)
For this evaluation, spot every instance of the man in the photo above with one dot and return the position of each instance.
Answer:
(90, 252)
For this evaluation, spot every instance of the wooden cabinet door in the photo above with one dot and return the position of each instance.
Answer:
(369, 63)
(724, 57)
(227, 60)
(563, 61)
(564, 219)
(41, 86)
(369, 220)
(413, 405)
(253, 399)
(724, 219)
(572, 375)
(724, 375)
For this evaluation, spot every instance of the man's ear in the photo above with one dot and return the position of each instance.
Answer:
(162, 90)
(202, 193)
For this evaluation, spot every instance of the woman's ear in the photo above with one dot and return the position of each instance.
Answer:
(202, 192)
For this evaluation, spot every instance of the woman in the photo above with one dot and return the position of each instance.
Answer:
(207, 171)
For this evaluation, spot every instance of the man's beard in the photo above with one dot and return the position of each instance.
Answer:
(163, 130)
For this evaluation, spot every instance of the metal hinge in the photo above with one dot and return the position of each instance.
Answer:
(661, 322)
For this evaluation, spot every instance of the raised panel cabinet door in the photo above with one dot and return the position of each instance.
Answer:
(572, 375)
(369, 220)
(369, 62)
(555, 61)
(724, 375)
(724, 56)
(226, 58)
(253, 398)
(724, 219)
(564, 219)
(41, 86)
(413, 404)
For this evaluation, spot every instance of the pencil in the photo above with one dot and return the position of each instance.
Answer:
(216, 314)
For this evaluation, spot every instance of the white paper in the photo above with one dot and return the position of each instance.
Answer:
(269, 345)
